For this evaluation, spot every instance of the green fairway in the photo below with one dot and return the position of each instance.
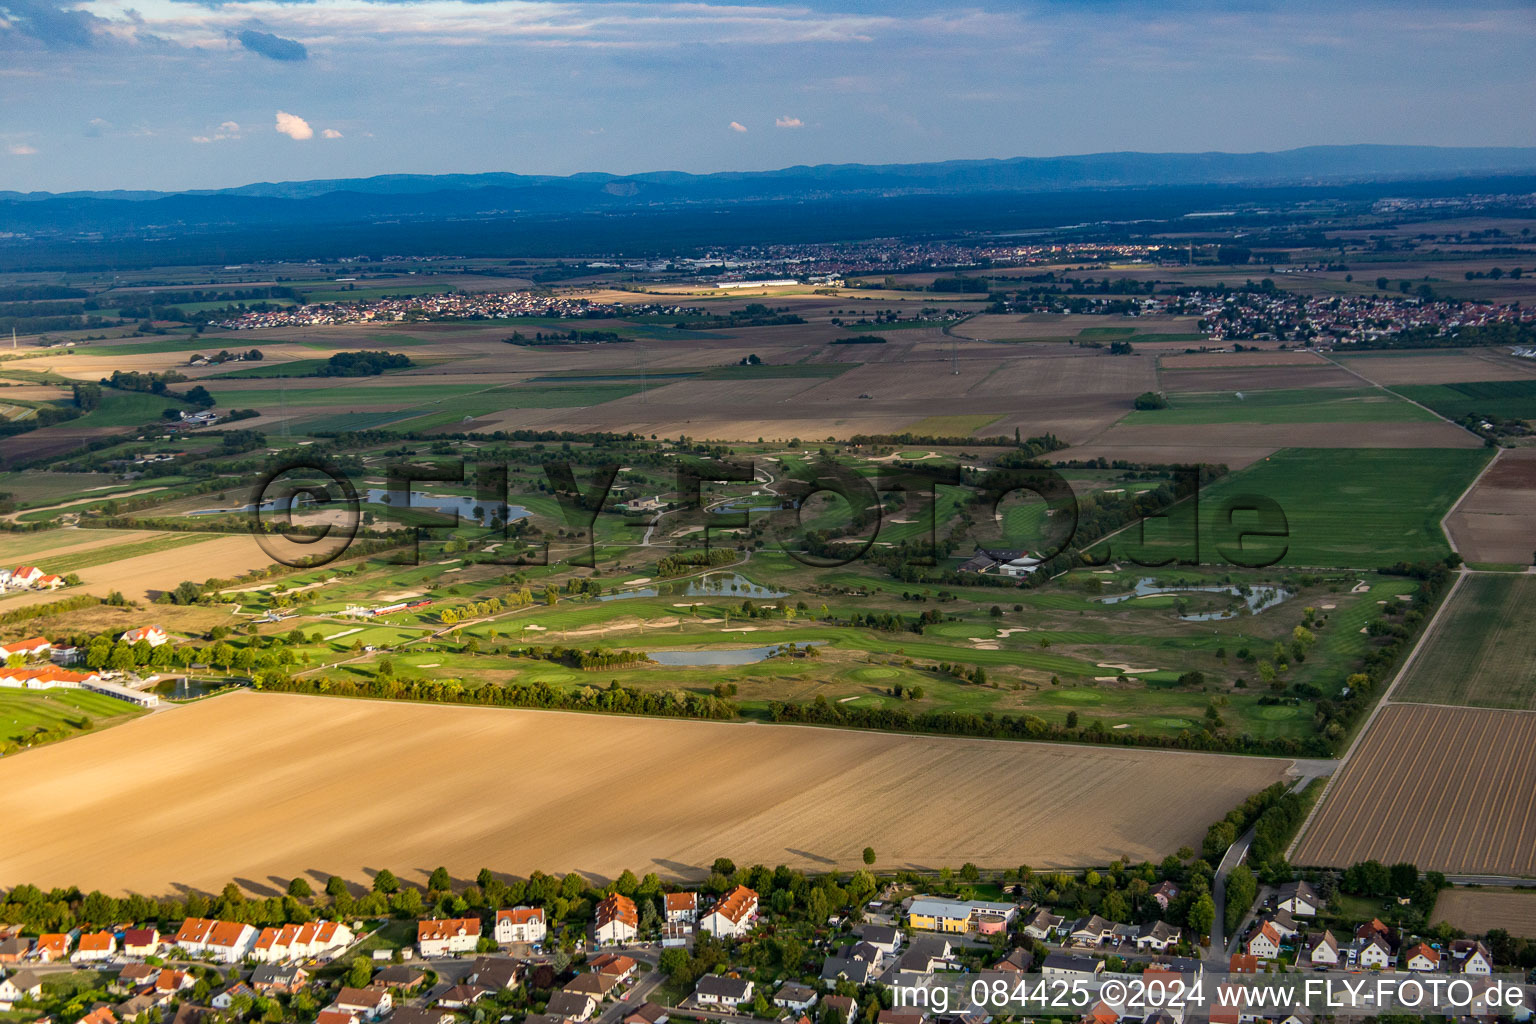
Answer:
(1506, 399)
(24, 713)
(1343, 508)
(1293, 405)
(128, 409)
(1482, 650)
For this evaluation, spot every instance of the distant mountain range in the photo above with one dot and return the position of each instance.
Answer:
(547, 193)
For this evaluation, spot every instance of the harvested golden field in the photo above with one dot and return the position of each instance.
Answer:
(264, 787)
(1448, 789)
(143, 577)
(1238, 360)
(1496, 520)
(1476, 911)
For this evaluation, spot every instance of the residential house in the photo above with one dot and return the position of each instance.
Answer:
(462, 997)
(1071, 966)
(720, 990)
(1469, 956)
(134, 1007)
(572, 1006)
(733, 915)
(676, 933)
(100, 1015)
(497, 973)
(369, 1003)
(614, 965)
(1018, 961)
(883, 937)
(1043, 925)
(1157, 936)
(1265, 943)
(225, 997)
(419, 1015)
(1422, 957)
(169, 982)
(153, 635)
(616, 921)
(281, 979)
(1298, 898)
(141, 941)
(48, 582)
(1243, 963)
(681, 906)
(331, 1015)
(598, 986)
(847, 965)
(400, 976)
(447, 936)
(926, 954)
(1100, 1013)
(1164, 893)
(647, 1013)
(135, 976)
(795, 997)
(26, 575)
(1090, 932)
(1374, 953)
(1319, 950)
(94, 946)
(52, 948)
(844, 1008)
(1285, 924)
(14, 949)
(225, 941)
(520, 924)
(301, 941)
(18, 986)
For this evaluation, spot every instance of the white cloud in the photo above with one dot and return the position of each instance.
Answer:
(21, 149)
(737, 126)
(229, 127)
(788, 122)
(330, 133)
(293, 126)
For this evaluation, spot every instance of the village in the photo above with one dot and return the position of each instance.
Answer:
(655, 955)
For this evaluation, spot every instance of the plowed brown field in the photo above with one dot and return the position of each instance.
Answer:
(264, 787)
(1448, 789)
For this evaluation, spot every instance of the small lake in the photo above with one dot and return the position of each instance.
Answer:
(183, 689)
(716, 584)
(742, 656)
(1256, 599)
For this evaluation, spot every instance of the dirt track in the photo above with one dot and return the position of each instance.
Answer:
(263, 787)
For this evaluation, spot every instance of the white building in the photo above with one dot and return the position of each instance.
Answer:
(448, 936)
(733, 916)
(520, 924)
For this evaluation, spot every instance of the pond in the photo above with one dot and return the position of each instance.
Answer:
(715, 584)
(1256, 599)
(188, 689)
(740, 656)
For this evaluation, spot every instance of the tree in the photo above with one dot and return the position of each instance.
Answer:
(440, 881)
(1242, 888)
(360, 973)
(869, 855)
(385, 882)
(300, 889)
(1202, 915)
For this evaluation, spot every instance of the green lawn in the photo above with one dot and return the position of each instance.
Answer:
(1506, 399)
(1482, 651)
(1291, 405)
(128, 409)
(1342, 508)
(292, 368)
(23, 713)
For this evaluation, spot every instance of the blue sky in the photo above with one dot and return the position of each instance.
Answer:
(209, 93)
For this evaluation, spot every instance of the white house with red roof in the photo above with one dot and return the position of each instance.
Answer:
(520, 924)
(1265, 944)
(682, 906)
(45, 677)
(616, 920)
(733, 916)
(449, 935)
(225, 941)
(153, 635)
(301, 941)
(26, 575)
(94, 946)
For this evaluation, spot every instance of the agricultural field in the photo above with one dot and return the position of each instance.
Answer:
(1482, 649)
(1495, 522)
(810, 798)
(1303, 405)
(1448, 789)
(1505, 399)
(1478, 911)
(1364, 508)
